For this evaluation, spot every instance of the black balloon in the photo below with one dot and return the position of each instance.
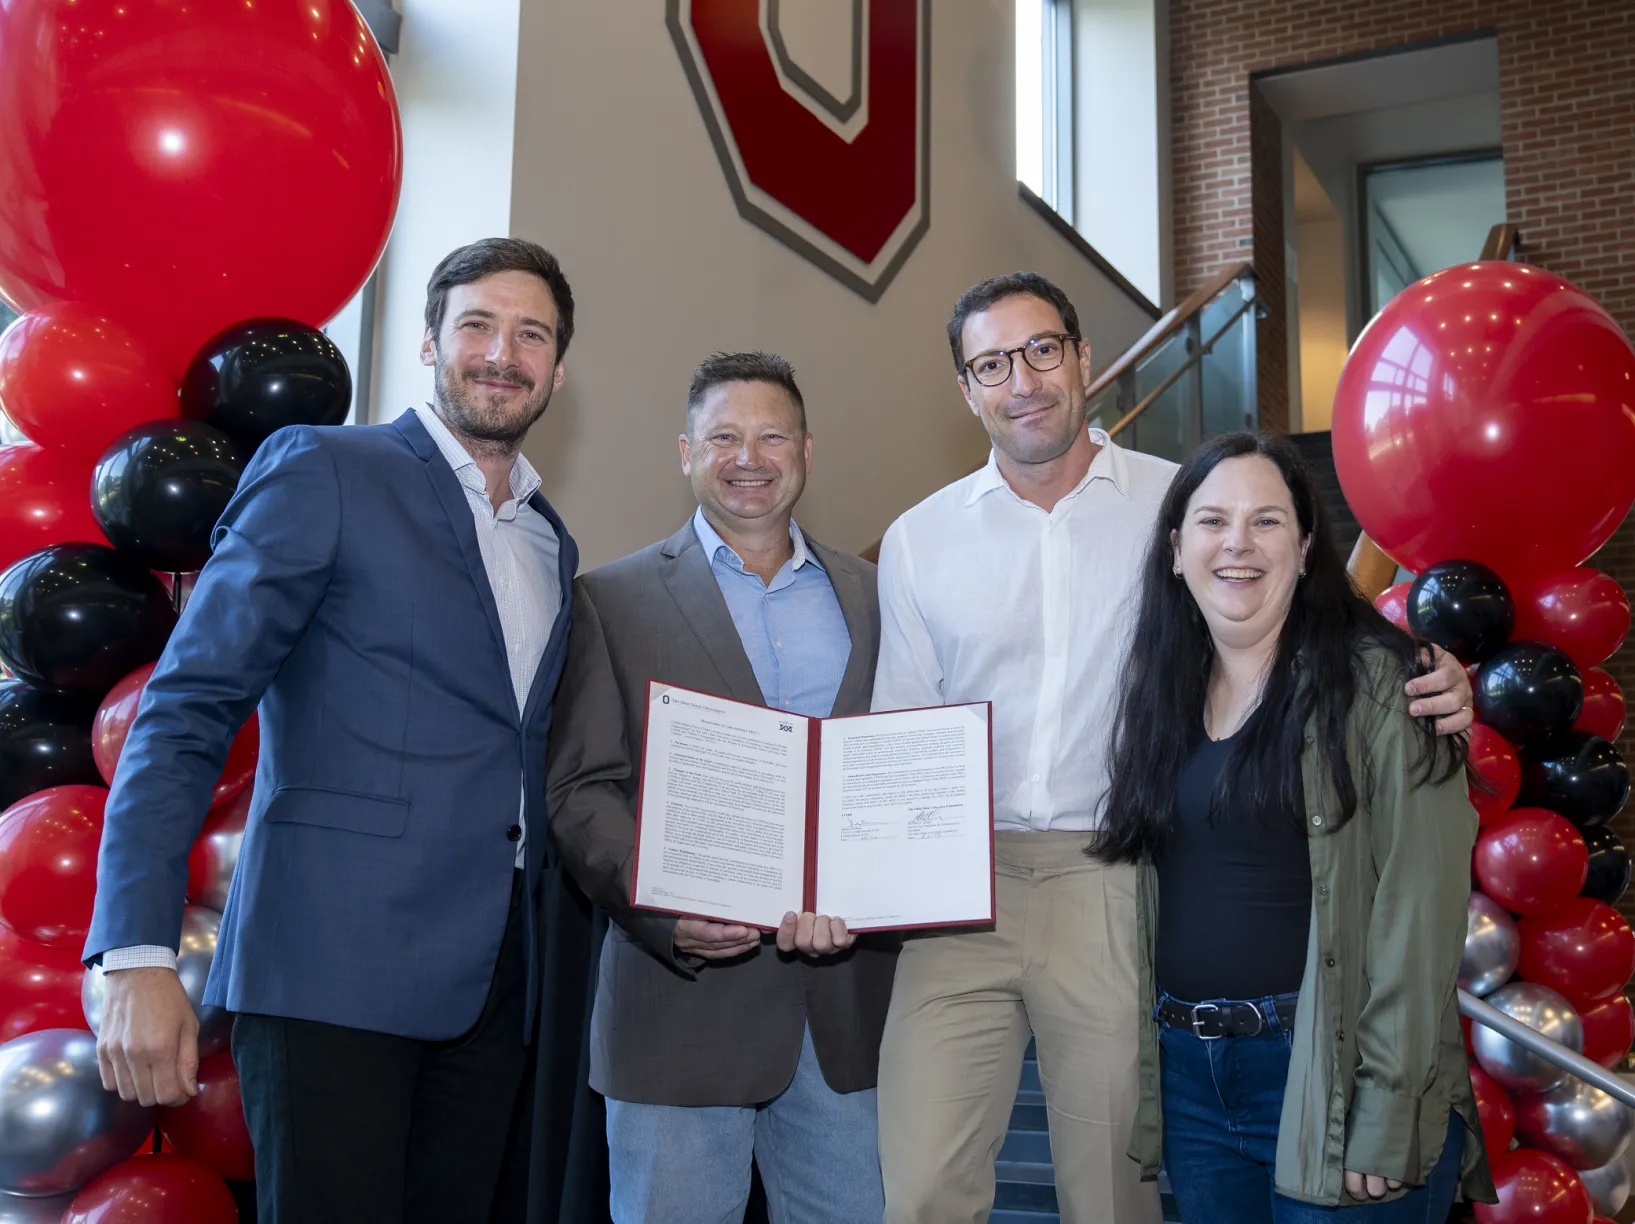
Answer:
(45, 740)
(1577, 774)
(80, 617)
(1528, 689)
(1609, 865)
(159, 489)
(1463, 607)
(263, 374)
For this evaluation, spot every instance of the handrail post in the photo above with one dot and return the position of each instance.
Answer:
(1192, 422)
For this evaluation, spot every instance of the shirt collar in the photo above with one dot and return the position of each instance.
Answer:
(711, 542)
(1110, 464)
(524, 479)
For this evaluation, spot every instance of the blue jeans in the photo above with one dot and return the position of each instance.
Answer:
(817, 1149)
(1222, 1102)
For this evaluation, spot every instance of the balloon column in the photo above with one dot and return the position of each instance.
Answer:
(1484, 434)
(246, 162)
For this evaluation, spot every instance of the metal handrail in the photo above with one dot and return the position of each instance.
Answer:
(1535, 1042)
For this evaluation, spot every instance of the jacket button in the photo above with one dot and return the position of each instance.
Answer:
(514, 833)
(1340, 1036)
(1322, 890)
(1329, 962)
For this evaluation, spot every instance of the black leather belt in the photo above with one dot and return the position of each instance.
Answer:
(1212, 1020)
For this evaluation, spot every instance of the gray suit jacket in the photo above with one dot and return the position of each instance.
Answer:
(669, 1030)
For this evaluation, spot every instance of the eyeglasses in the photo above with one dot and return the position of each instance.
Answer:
(1043, 353)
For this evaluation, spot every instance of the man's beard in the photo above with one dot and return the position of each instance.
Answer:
(483, 416)
(1041, 448)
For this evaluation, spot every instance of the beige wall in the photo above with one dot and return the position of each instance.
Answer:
(613, 169)
(1322, 319)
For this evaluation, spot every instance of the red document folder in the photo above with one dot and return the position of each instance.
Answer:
(745, 813)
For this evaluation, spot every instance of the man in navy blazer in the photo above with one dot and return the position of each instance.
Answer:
(395, 599)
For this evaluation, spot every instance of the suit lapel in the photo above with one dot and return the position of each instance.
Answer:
(452, 496)
(567, 565)
(856, 605)
(691, 583)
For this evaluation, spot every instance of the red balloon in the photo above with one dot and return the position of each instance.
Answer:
(1531, 860)
(1603, 712)
(1393, 604)
(1488, 413)
(210, 1128)
(154, 1189)
(48, 864)
(39, 987)
(1609, 1029)
(74, 381)
(1581, 610)
(1583, 950)
(1492, 759)
(45, 498)
(113, 724)
(1535, 1188)
(247, 162)
(1495, 1110)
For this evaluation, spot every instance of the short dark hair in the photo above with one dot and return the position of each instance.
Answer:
(757, 366)
(981, 296)
(491, 255)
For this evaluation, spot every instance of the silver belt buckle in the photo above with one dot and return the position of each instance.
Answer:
(1197, 1021)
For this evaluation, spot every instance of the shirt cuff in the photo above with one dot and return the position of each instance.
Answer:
(143, 956)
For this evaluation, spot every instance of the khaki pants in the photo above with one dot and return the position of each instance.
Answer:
(1061, 963)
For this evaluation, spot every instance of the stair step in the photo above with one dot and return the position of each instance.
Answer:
(1030, 1077)
(1026, 1116)
(1027, 1146)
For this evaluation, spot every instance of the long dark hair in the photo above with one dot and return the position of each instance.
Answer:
(1313, 679)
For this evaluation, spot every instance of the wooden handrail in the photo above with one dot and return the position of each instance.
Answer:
(1502, 242)
(1166, 327)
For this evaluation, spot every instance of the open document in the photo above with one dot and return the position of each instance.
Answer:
(746, 814)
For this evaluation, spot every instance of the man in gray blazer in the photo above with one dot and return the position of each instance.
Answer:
(711, 1043)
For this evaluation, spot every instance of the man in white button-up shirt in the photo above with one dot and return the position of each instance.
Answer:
(1016, 585)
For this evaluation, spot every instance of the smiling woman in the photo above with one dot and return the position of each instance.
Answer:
(1304, 845)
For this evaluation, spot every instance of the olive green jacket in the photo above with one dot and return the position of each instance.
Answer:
(1378, 1055)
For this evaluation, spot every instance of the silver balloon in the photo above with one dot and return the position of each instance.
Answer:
(59, 1127)
(193, 959)
(1608, 1186)
(14, 1209)
(1540, 1009)
(1492, 946)
(1577, 1122)
(219, 850)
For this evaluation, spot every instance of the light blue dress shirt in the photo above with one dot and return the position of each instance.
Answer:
(792, 628)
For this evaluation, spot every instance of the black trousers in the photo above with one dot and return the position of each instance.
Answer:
(355, 1127)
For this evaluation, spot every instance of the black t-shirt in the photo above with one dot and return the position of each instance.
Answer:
(1234, 906)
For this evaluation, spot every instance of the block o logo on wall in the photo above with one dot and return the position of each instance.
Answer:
(843, 180)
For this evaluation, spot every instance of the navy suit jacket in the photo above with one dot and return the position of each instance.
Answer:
(347, 597)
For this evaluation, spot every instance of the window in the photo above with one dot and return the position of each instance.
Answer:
(1425, 215)
(1044, 101)
(1091, 77)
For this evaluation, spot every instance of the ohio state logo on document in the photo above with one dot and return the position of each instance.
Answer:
(820, 112)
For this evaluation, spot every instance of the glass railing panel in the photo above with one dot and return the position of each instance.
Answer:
(1228, 367)
(1161, 428)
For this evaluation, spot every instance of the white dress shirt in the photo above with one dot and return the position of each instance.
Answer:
(984, 596)
(520, 553)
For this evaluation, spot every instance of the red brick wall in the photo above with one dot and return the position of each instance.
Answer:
(1567, 113)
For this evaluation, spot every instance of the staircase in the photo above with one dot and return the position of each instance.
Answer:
(1026, 1189)
(1318, 451)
